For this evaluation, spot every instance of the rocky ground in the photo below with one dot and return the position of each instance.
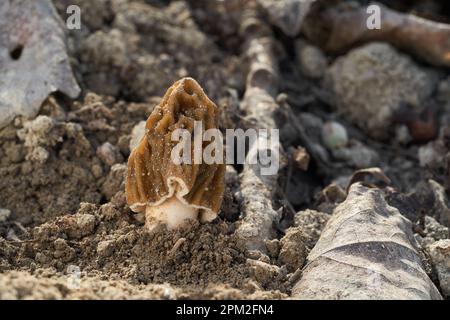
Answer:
(66, 231)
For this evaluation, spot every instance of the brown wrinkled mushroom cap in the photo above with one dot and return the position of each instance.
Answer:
(153, 178)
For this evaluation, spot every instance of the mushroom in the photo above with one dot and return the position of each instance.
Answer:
(166, 191)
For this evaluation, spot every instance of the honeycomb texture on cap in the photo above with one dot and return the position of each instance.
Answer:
(153, 177)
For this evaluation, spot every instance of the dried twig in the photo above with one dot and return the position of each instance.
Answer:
(337, 28)
(259, 104)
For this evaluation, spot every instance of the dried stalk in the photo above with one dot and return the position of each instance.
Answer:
(338, 28)
(259, 104)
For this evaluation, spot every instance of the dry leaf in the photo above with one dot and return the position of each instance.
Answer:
(33, 58)
(366, 251)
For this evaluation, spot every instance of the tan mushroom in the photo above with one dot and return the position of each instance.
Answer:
(166, 192)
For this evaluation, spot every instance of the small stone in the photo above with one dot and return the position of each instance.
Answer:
(60, 244)
(14, 152)
(440, 257)
(263, 272)
(435, 230)
(253, 254)
(78, 225)
(109, 154)
(42, 258)
(109, 211)
(4, 215)
(105, 49)
(114, 180)
(293, 250)
(312, 61)
(63, 250)
(402, 135)
(38, 154)
(86, 222)
(97, 170)
(357, 155)
(273, 248)
(312, 223)
(36, 131)
(430, 155)
(371, 81)
(424, 241)
(123, 143)
(105, 248)
(334, 135)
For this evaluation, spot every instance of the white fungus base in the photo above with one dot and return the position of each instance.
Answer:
(173, 213)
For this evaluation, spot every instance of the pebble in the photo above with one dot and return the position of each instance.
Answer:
(109, 154)
(4, 215)
(440, 257)
(312, 61)
(334, 135)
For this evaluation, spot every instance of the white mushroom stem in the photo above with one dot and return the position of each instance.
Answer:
(259, 215)
(172, 212)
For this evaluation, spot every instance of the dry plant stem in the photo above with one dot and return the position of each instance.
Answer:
(259, 105)
(344, 26)
(366, 251)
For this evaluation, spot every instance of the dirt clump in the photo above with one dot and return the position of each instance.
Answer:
(103, 241)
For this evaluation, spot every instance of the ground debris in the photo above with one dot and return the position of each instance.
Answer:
(440, 257)
(33, 58)
(365, 244)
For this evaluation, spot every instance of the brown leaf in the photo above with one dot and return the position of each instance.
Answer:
(33, 58)
(366, 251)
